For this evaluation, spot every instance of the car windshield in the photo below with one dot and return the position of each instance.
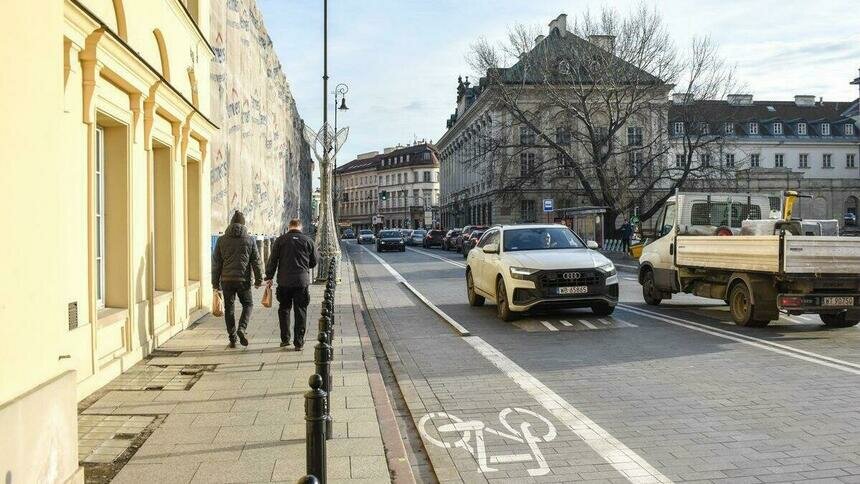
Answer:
(389, 234)
(541, 238)
(476, 234)
(418, 232)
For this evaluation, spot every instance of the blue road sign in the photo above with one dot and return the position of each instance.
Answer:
(547, 205)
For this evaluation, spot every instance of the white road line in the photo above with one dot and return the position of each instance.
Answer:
(781, 349)
(805, 318)
(630, 279)
(620, 322)
(549, 326)
(443, 259)
(628, 266)
(587, 324)
(565, 322)
(627, 462)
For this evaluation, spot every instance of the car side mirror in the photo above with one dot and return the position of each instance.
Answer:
(592, 245)
(491, 248)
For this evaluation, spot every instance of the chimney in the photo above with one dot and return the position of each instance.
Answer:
(605, 42)
(682, 98)
(369, 154)
(740, 99)
(538, 39)
(804, 100)
(559, 23)
(388, 150)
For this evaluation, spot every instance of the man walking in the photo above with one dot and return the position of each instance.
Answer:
(233, 259)
(293, 256)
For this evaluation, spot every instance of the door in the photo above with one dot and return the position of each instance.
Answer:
(488, 262)
(663, 249)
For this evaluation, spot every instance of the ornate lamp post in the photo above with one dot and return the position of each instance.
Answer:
(325, 143)
(340, 90)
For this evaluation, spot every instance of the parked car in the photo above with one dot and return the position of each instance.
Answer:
(365, 236)
(405, 233)
(348, 234)
(465, 234)
(522, 267)
(450, 239)
(433, 238)
(416, 237)
(471, 242)
(390, 240)
(850, 218)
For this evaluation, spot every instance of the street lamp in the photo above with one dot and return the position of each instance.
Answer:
(340, 90)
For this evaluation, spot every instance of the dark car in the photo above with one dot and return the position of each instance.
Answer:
(348, 234)
(849, 218)
(465, 235)
(433, 239)
(450, 239)
(471, 242)
(390, 240)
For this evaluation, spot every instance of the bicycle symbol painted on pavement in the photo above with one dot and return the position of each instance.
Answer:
(454, 432)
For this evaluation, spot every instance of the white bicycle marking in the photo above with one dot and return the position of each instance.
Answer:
(464, 430)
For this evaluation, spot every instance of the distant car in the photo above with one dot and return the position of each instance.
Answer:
(450, 239)
(850, 218)
(433, 238)
(348, 234)
(405, 233)
(471, 242)
(390, 240)
(465, 235)
(416, 237)
(365, 236)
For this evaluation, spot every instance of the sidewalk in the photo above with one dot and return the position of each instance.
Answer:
(198, 411)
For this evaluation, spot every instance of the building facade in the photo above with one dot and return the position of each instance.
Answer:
(397, 188)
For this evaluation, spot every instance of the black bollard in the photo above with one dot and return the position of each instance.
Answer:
(322, 364)
(328, 303)
(309, 480)
(315, 412)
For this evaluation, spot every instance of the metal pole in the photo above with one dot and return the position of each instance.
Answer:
(315, 428)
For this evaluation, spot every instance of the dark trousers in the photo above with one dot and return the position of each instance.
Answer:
(231, 289)
(297, 299)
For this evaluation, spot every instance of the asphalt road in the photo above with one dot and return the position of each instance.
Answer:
(669, 394)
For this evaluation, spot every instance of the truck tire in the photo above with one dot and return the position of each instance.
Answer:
(838, 320)
(741, 307)
(649, 290)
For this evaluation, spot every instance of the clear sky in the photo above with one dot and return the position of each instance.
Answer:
(401, 58)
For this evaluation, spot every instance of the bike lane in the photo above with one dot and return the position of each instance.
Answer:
(482, 417)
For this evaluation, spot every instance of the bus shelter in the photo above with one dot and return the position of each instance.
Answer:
(587, 222)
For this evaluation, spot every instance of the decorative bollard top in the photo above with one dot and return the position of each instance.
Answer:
(322, 337)
(324, 324)
(309, 480)
(315, 382)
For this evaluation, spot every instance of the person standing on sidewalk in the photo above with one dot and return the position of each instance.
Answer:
(293, 256)
(626, 234)
(234, 258)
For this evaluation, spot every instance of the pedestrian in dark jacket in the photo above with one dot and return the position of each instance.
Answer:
(626, 235)
(293, 256)
(234, 258)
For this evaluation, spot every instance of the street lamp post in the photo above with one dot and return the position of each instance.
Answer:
(341, 90)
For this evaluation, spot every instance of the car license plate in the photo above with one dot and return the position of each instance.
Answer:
(839, 301)
(572, 290)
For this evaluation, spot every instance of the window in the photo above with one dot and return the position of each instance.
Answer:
(541, 239)
(527, 136)
(634, 136)
(426, 176)
(100, 217)
(414, 177)
(679, 161)
(803, 161)
(527, 164)
(827, 160)
(425, 155)
(717, 213)
(491, 237)
(849, 160)
(634, 160)
(527, 211)
(562, 135)
(778, 160)
(777, 128)
(399, 180)
(678, 128)
(825, 129)
(801, 129)
(705, 160)
(565, 164)
(849, 129)
(754, 160)
(730, 160)
(729, 128)
(387, 180)
(753, 128)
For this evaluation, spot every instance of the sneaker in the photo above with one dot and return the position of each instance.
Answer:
(232, 343)
(285, 343)
(299, 347)
(242, 338)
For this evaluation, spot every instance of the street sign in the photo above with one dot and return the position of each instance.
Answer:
(548, 205)
(634, 220)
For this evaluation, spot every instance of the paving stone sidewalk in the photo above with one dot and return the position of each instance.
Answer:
(211, 414)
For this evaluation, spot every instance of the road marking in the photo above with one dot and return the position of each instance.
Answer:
(549, 326)
(443, 259)
(778, 348)
(627, 266)
(565, 322)
(630, 279)
(587, 324)
(806, 318)
(627, 462)
(620, 322)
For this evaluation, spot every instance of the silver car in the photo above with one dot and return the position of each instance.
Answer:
(366, 236)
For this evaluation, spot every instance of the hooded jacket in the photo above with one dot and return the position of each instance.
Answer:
(293, 256)
(235, 256)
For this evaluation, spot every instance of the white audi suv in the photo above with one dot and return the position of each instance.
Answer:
(521, 267)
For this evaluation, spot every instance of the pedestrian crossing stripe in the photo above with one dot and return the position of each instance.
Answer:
(549, 326)
(587, 324)
(566, 323)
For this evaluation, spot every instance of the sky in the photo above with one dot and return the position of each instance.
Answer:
(401, 58)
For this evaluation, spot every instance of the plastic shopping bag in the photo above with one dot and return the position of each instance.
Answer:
(267, 297)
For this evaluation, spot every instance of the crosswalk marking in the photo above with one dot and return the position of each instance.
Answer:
(565, 322)
(621, 323)
(549, 326)
(587, 324)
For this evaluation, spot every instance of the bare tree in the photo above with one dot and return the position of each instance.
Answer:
(586, 112)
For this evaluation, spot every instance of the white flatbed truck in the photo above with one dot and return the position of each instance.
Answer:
(756, 275)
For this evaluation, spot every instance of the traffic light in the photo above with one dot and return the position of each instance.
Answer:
(383, 195)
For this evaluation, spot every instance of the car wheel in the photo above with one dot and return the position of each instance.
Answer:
(474, 298)
(838, 320)
(742, 308)
(503, 309)
(649, 291)
(602, 308)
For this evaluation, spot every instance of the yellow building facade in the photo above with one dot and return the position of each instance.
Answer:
(104, 178)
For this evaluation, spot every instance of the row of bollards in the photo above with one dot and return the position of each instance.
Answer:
(318, 422)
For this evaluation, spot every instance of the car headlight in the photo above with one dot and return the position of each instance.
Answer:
(607, 268)
(521, 272)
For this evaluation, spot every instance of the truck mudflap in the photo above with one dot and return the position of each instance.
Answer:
(818, 303)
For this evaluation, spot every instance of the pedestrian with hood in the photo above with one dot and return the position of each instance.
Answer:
(293, 256)
(626, 234)
(234, 258)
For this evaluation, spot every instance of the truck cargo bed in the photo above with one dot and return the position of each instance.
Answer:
(821, 255)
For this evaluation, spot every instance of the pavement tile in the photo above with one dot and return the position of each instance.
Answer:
(241, 471)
